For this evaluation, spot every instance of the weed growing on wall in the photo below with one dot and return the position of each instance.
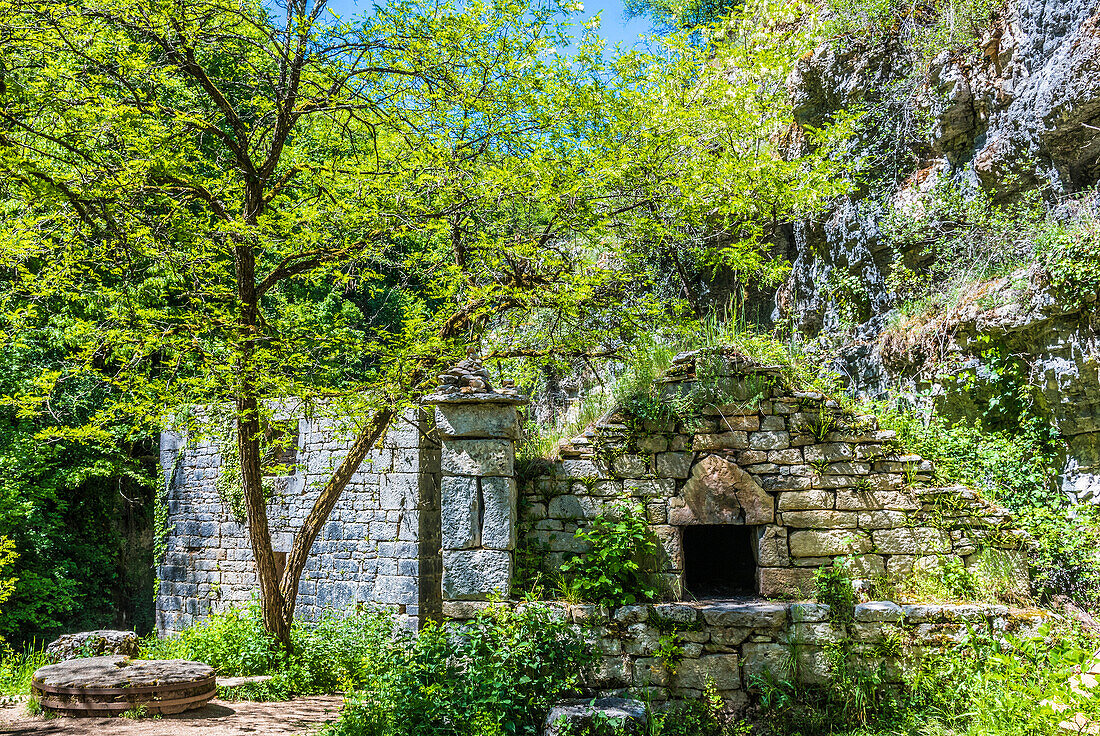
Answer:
(834, 588)
(616, 567)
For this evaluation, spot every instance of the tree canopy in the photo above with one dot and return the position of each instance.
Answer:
(209, 202)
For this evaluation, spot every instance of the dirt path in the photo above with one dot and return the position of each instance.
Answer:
(218, 718)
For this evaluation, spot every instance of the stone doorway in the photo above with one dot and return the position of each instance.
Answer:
(719, 560)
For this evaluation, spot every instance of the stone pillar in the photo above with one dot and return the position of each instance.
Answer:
(477, 428)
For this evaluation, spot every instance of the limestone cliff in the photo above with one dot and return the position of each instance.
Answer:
(1021, 116)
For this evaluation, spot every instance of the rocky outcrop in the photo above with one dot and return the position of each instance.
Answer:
(1020, 112)
(1057, 340)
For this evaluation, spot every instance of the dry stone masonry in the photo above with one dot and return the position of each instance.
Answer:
(379, 547)
(478, 428)
(802, 481)
(748, 499)
(733, 645)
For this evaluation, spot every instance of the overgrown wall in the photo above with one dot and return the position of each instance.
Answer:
(734, 645)
(812, 482)
(379, 547)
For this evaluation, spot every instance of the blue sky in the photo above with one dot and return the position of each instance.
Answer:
(613, 23)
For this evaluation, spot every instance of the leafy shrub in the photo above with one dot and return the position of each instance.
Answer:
(834, 588)
(326, 656)
(498, 675)
(613, 570)
(984, 685)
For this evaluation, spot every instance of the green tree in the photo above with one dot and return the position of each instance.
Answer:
(206, 205)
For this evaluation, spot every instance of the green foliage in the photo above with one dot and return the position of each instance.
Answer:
(1016, 466)
(1070, 255)
(833, 586)
(669, 651)
(325, 656)
(17, 668)
(496, 676)
(928, 29)
(952, 240)
(984, 685)
(8, 556)
(616, 567)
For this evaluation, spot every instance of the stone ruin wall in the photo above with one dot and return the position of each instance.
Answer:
(430, 528)
(379, 547)
(809, 498)
(734, 645)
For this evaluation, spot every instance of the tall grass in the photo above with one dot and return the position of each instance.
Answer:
(647, 360)
(17, 668)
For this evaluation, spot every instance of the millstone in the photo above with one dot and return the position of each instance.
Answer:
(105, 686)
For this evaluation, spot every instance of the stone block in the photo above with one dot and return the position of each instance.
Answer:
(792, 456)
(847, 468)
(820, 519)
(773, 423)
(806, 500)
(739, 423)
(477, 420)
(748, 615)
(764, 661)
(769, 441)
(786, 482)
(641, 640)
(677, 613)
(884, 519)
(771, 547)
(829, 452)
(723, 670)
(818, 633)
(674, 464)
(809, 612)
(720, 492)
(914, 541)
(668, 538)
(652, 443)
(630, 614)
(813, 666)
(478, 457)
(729, 636)
(476, 574)
(580, 469)
(879, 612)
(828, 543)
(724, 441)
(630, 466)
(656, 487)
(650, 671)
(574, 507)
(875, 500)
(786, 582)
(498, 526)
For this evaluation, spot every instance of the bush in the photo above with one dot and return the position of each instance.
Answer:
(326, 656)
(498, 675)
(983, 685)
(614, 569)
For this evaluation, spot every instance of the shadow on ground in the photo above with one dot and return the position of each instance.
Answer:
(217, 718)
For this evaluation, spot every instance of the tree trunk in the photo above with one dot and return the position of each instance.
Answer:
(322, 507)
(248, 448)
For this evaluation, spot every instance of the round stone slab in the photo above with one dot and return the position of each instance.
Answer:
(105, 686)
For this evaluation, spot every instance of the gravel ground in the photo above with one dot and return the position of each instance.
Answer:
(217, 718)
